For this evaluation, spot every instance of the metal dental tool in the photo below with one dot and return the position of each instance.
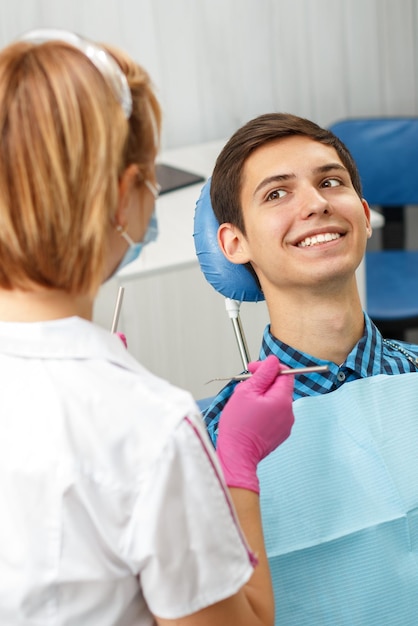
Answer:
(297, 370)
(118, 307)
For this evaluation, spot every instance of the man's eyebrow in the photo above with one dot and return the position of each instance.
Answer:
(323, 169)
(277, 178)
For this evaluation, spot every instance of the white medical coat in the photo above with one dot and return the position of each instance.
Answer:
(111, 505)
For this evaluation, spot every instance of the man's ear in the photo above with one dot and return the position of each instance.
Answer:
(232, 244)
(367, 215)
(127, 183)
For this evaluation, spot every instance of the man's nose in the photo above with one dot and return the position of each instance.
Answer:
(313, 202)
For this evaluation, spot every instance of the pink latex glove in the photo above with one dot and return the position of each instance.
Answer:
(256, 419)
(123, 339)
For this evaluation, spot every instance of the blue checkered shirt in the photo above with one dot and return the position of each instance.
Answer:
(372, 355)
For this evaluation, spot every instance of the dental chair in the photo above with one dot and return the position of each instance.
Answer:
(386, 152)
(232, 281)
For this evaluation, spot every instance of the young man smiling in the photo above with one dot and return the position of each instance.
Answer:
(340, 497)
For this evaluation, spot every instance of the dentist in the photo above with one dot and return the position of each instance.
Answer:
(115, 508)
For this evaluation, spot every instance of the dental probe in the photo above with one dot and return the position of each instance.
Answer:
(296, 370)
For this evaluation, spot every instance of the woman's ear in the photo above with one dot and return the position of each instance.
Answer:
(127, 183)
(232, 244)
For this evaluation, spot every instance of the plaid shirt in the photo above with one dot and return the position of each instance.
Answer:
(371, 356)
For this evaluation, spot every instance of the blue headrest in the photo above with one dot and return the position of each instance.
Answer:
(232, 281)
(386, 152)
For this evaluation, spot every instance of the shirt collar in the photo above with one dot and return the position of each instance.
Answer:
(370, 345)
(62, 339)
(365, 359)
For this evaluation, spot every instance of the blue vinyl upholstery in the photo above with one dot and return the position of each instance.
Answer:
(386, 152)
(232, 281)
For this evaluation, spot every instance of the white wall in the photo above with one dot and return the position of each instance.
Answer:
(217, 64)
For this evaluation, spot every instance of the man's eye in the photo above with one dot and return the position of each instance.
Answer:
(276, 194)
(331, 182)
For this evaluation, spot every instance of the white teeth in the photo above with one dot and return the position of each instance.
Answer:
(312, 241)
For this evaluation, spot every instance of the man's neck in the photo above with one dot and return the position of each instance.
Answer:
(326, 328)
(39, 304)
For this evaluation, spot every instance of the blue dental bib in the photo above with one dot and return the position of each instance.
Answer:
(339, 504)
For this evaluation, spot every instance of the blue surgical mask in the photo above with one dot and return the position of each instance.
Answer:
(151, 234)
(135, 249)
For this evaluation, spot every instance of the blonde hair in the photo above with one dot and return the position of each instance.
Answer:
(64, 142)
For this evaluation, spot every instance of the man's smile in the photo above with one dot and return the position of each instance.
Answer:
(317, 239)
